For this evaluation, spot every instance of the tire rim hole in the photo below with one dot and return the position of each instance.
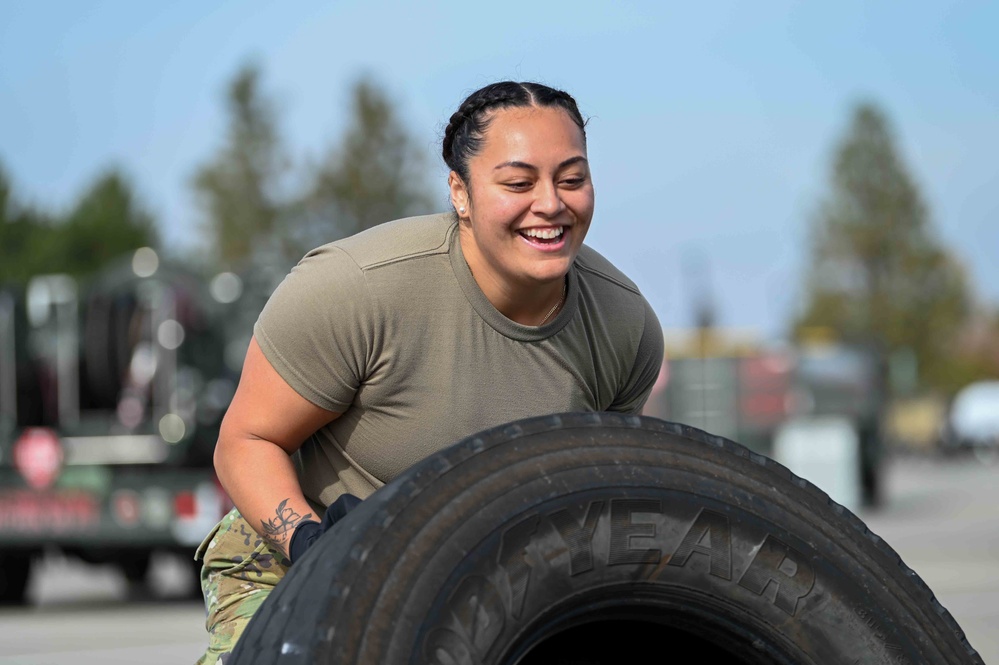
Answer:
(624, 641)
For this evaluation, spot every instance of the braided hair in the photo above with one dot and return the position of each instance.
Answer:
(467, 127)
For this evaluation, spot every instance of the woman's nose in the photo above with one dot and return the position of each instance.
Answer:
(547, 201)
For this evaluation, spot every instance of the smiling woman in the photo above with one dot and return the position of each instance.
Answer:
(381, 349)
(524, 196)
(524, 209)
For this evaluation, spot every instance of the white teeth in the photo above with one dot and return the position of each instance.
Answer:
(544, 234)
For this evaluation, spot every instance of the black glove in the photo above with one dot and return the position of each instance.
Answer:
(309, 531)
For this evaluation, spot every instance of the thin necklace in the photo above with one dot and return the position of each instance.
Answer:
(557, 305)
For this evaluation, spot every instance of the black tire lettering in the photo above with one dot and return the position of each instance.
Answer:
(513, 561)
(478, 611)
(446, 647)
(578, 535)
(769, 567)
(715, 528)
(623, 530)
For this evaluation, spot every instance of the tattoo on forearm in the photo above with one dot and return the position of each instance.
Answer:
(278, 530)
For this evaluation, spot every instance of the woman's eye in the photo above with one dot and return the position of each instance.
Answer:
(520, 184)
(574, 181)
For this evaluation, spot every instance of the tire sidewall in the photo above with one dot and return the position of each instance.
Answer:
(625, 544)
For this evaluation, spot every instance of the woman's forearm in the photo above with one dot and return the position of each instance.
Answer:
(261, 481)
(265, 423)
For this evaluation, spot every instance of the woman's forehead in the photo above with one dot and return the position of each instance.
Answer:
(531, 133)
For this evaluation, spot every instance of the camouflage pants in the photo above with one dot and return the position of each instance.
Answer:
(239, 571)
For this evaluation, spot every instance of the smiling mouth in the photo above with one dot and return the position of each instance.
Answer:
(544, 236)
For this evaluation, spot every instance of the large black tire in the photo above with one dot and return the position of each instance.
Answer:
(600, 538)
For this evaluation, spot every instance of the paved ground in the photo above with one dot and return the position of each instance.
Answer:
(942, 518)
(84, 615)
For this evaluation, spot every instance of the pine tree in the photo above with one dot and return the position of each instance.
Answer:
(878, 274)
(239, 189)
(374, 174)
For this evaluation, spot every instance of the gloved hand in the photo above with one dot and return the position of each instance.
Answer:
(309, 531)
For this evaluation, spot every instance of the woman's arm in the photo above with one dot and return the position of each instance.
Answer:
(266, 422)
(645, 368)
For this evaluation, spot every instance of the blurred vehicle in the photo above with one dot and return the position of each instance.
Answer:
(729, 385)
(973, 421)
(111, 396)
(915, 422)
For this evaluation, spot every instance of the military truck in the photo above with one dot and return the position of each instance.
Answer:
(111, 395)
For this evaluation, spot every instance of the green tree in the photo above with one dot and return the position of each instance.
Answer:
(374, 173)
(878, 275)
(106, 223)
(19, 231)
(239, 189)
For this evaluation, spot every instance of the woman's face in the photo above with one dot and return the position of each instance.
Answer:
(529, 200)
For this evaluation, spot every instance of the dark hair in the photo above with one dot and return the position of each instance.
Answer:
(467, 126)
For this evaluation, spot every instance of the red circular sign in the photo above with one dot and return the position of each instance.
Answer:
(38, 456)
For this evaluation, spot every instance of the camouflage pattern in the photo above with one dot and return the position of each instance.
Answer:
(239, 571)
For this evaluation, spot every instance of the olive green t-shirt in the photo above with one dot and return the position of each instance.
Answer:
(389, 328)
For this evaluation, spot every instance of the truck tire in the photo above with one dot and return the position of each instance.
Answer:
(15, 571)
(135, 567)
(600, 538)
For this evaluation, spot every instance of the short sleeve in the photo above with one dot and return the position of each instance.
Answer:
(316, 328)
(648, 362)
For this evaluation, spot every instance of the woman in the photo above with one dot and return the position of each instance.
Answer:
(385, 347)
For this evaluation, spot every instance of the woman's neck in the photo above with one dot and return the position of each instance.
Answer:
(527, 302)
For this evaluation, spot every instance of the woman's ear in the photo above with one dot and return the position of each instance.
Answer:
(459, 194)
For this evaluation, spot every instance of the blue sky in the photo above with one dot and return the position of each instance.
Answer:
(711, 132)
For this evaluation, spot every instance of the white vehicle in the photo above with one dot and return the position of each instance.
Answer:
(973, 422)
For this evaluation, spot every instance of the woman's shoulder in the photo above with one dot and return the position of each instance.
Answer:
(600, 272)
(394, 241)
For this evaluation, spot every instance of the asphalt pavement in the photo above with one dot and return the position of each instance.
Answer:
(942, 517)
